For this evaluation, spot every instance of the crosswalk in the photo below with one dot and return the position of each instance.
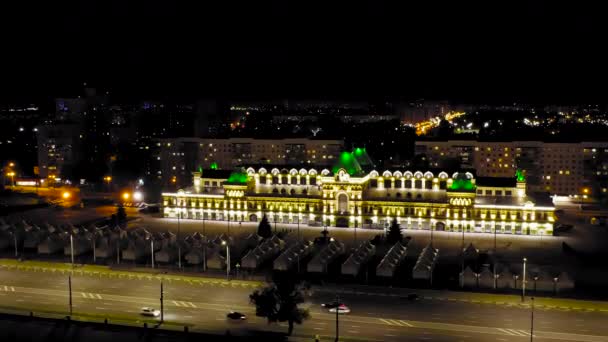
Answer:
(395, 322)
(7, 288)
(514, 332)
(91, 295)
(184, 304)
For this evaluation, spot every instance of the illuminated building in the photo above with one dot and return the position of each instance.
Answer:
(348, 195)
(180, 157)
(554, 168)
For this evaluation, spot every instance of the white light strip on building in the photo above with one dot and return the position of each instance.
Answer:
(192, 195)
(512, 207)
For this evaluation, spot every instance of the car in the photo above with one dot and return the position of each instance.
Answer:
(412, 297)
(147, 311)
(236, 315)
(341, 309)
(331, 305)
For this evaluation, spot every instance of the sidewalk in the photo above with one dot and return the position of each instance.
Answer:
(472, 297)
(137, 273)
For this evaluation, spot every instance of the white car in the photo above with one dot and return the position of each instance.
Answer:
(341, 309)
(146, 311)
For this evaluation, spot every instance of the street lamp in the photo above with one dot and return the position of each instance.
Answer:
(337, 306)
(355, 233)
(179, 248)
(523, 282)
(72, 247)
(224, 243)
(532, 321)
(14, 233)
(151, 238)
(12, 175)
(462, 251)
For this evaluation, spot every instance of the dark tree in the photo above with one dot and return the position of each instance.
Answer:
(264, 229)
(278, 302)
(121, 215)
(394, 233)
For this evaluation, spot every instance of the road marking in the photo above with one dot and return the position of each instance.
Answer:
(389, 335)
(9, 288)
(184, 304)
(353, 331)
(91, 295)
(394, 322)
(514, 332)
(318, 328)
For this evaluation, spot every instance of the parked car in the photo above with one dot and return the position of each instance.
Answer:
(147, 311)
(236, 315)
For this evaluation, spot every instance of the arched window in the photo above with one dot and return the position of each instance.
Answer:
(275, 191)
(283, 191)
(292, 192)
(342, 203)
(304, 192)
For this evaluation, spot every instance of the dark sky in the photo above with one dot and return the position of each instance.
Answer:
(537, 51)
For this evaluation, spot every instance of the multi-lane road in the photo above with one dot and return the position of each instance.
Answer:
(202, 304)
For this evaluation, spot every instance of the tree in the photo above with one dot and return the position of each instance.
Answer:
(121, 215)
(278, 302)
(394, 233)
(264, 228)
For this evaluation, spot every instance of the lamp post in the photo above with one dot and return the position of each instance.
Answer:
(72, 247)
(14, 233)
(228, 223)
(162, 306)
(152, 250)
(462, 261)
(532, 321)
(94, 242)
(224, 243)
(204, 246)
(523, 282)
(179, 248)
(337, 306)
(70, 292)
(355, 233)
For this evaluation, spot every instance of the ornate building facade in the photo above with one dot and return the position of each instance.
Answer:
(347, 196)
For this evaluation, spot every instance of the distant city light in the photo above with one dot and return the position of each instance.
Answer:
(138, 196)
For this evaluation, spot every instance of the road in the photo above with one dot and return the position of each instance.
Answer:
(203, 304)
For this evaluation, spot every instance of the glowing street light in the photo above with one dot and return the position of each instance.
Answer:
(11, 164)
(66, 195)
(126, 196)
(12, 175)
(138, 196)
(224, 243)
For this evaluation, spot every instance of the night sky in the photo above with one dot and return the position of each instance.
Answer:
(476, 51)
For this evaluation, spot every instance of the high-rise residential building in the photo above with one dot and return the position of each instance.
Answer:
(59, 147)
(557, 168)
(179, 157)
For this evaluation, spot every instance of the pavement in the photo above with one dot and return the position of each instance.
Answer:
(378, 313)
